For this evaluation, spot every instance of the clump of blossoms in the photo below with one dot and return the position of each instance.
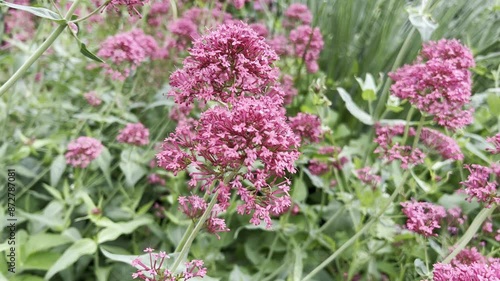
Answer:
(482, 184)
(392, 150)
(423, 217)
(495, 141)
(126, 51)
(229, 62)
(155, 272)
(251, 140)
(297, 13)
(307, 44)
(469, 264)
(438, 83)
(455, 219)
(307, 127)
(244, 143)
(82, 151)
(131, 5)
(18, 24)
(366, 176)
(135, 134)
(92, 99)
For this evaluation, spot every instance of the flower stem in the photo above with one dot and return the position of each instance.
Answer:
(471, 231)
(39, 51)
(194, 232)
(365, 228)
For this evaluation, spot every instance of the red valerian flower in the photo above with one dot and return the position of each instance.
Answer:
(82, 151)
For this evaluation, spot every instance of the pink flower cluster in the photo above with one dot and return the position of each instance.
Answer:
(244, 143)
(156, 179)
(227, 63)
(135, 134)
(92, 98)
(366, 176)
(438, 83)
(131, 5)
(394, 151)
(495, 141)
(82, 151)
(478, 184)
(423, 217)
(154, 271)
(469, 264)
(307, 127)
(157, 12)
(297, 14)
(19, 25)
(455, 219)
(126, 51)
(307, 44)
(447, 147)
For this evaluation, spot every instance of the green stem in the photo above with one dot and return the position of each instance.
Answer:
(91, 14)
(365, 228)
(471, 231)
(397, 63)
(38, 52)
(192, 235)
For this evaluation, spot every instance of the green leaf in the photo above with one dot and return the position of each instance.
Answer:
(113, 232)
(494, 104)
(133, 172)
(299, 192)
(80, 248)
(357, 112)
(297, 265)
(57, 169)
(39, 12)
(40, 261)
(425, 187)
(238, 275)
(44, 241)
(104, 163)
(89, 54)
(54, 192)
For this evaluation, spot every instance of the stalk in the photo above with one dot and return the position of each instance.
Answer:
(471, 231)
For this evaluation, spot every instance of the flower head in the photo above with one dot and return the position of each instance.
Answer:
(307, 126)
(82, 151)
(297, 13)
(423, 217)
(478, 184)
(307, 44)
(229, 62)
(438, 83)
(495, 141)
(135, 134)
(92, 98)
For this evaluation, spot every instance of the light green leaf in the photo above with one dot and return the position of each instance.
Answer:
(420, 267)
(89, 54)
(299, 191)
(494, 104)
(80, 248)
(54, 192)
(133, 172)
(40, 261)
(238, 275)
(297, 265)
(57, 169)
(44, 241)
(422, 20)
(39, 12)
(112, 232)
(104, 162)
(425, 187)
(357, 112)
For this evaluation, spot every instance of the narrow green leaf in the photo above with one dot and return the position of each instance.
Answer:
(45, 241)
(357, 112)
(113, 232)
(238, 275)
(89, 54)
(133, 172)
(80, 248)
(57, 169)
(39, 12)
(54, 192)
(494, 104)
(297, 265)
(425, 187)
